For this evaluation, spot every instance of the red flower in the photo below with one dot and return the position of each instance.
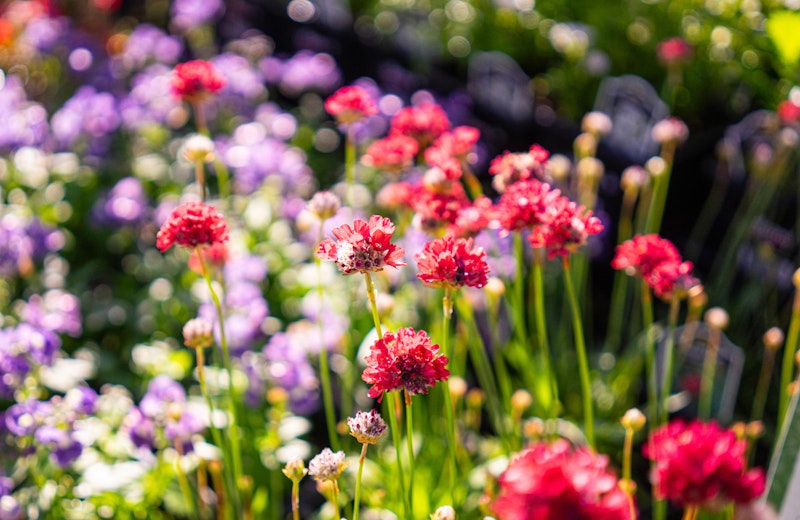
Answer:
(450, 149)
(509, 168)
(789, 112)
(215, 256)
(394, 153)
(195, 80)
(424, 123)
(525, 205)
(192, 224)
(404, 360)
(550, 481)
(657, 261)
(702, 465)
(350, 104)
(436, 209)
(674, 50)
(567, 228)
(472, 219)
(363, 247)
(452, 262)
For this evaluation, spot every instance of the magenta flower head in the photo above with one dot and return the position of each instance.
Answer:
(567, 228)
(452, 262)
(404, 360)
(196, 80)
(551, 481)
(192, 224)
(702, 465)
(350, 105)
(362, 248)
(658, 262)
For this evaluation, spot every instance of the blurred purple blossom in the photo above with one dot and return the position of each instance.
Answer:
(145, 45)
(305, 70)
(289, 368)
(24, 122)
(63, 448)
(187, 14)
(126, 203)
(150, 100)
(244, 87)
(45, 33)
(56, 311)
(87, 118)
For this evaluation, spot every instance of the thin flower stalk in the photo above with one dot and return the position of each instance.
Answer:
(357, 498)
(580, 347)
(376, 317)
(324, 370)
(789, 349)
(183, 482)
(447, 313)
(655, 212)
(659, 506)
(410, 445)
(707, 377)
(392, 406)
(541, 329)
(773, 339)
(669, 356)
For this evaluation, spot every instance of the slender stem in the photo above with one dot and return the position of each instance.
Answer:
(626, 470)
(789, 349)
(707, 377)
(396, 440)
(690, 513)
(659, 506)
(410, 447)
(762, 388)
(295, 499)
(373, 304)
(223, 178)
(520, 324)
(215, 468)
(660, 189)
(324, 370)
(335, 498)
(619, 289)
(186, 490)
(200, 176)
(669, 355)
(580, 347)
(447, 308)
(207, 396)
(349, 163)
(200, 118)
(357, 499)
(541, 329)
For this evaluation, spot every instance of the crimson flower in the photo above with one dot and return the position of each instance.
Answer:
(789, 112)
(404, 360)
(567, 228)
(350, 104)
(192, 224)
(363, 247)
(551, 481)
(525, 204)
(452, 262)
(702, 465)
(424, 123)
(674, 50)
(509, 168)
(394, 153)
(658, 262)
(195, 80)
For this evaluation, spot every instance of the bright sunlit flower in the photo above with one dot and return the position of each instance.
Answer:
(525, 204)
(328, 465)
(195, 80)
(404, 360)
(452, 262)
(551, 481)
(657, 261)
(702, 465)
(424, 122)
(393, 154)
(567, 228)
(192, 224)
(350, 104)
(367, 427)
(364, 247)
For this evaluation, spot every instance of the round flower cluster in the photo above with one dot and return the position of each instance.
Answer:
(192, 224)
(367, 427)
(350, 104)
(195, 80)
(404, 360)
(551, 481)
(702, 465)
(452, 262)
(364, 247)
(657, 261)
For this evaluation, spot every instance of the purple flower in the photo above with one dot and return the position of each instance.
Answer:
(306, 70)
(88, 116)
(81, 399)
(24, 418)
(24, 122)
(148, 44)
(187, 14)
(64, 449)
(56, 311)
(45, 33)
(161, 391)
(288, 367)
(140, 428)
(244, 87)
(125, 204)
(246, 310)
(150, 100)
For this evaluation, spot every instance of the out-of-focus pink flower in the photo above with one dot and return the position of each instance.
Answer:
(404, 360)
(436, 209)
(364, 247)
(567, 227)
(424, 123)
(393, 153)
(451, 148)
(670, 130)
(509, 168)
(472, 219)
(192, 224)
(789, 112)
(195, 80)
(658, 262)
(702, 465)
(350, 104)
(674, 50)
(551, 481)
(452, 262)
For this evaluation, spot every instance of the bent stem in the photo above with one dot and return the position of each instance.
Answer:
(357, 498)
(580, 347)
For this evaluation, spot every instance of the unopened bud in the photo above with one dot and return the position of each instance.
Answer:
(590, 168)
(295, 470)
(633, 177)
(444, 513)
(656, 166)
(717, 317)
(739, 428)
(198, 148)
(670, 130)
(521, 400)
(475, 398)
(533, 428)
(277, 396)
(773, 338)
(324, 204)
(585, 145)
(458, 387)
(496, 286)
(596, 123)
(558, 167)
(198, 333)
(633, 419)
(754, 429)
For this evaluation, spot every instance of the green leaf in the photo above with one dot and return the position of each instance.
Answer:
(785, 458)
(783, 28)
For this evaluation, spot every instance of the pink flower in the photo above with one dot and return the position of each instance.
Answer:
(472, 219)
(566, 228)
(195, 80)
(424, 123)
(789, 112)
(404, 360)
(192, 224)
(362, 248)
(350, 104)
(670, 130)
(452, 262)
(436, 209)
(394, 153)
(551, 481)
(451, 148)
(658, 262)
(702, 465)
(674, 50)
(525, 205)
(509, 168)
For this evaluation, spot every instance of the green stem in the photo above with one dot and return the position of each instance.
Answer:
(660, 189)
(519, 291)
(373, 304)
(296, 499)
(186, 490)
(207, 396)
(659, 506)
(580, 347)
(200, 176)
(707, 377)
(335, 499)
(349, 163)
(620, 287)
(789, 350)
(357, 499)
(396, 440)
(324, 370)
(410, 448)
(447, 305)
(541, 330)
(223, 179)
(669, 355)
(626, 470)
(762, 388)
